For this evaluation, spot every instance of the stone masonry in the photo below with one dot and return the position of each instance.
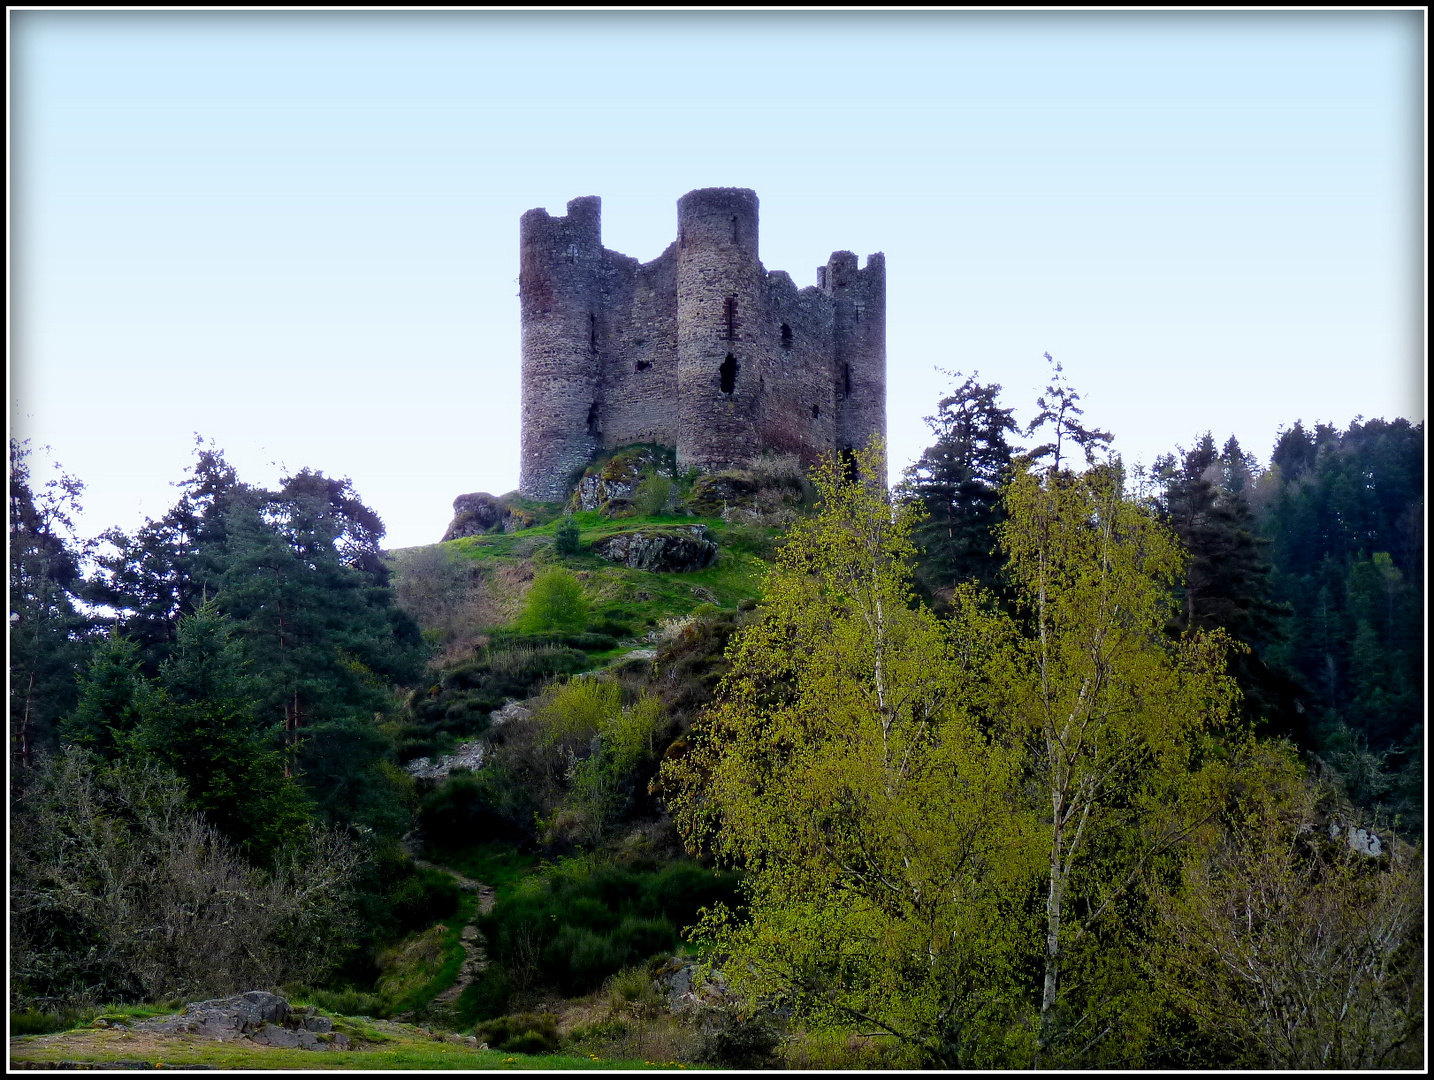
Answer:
(702, 348)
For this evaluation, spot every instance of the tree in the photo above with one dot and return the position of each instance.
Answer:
(1343, 511)
(119, 892)
(1059, 410)
(114, 697)
(49, 635)
(957, 483)
(1227, 575)
(1116, 716)
(202, 722)
(1289, 948)
(844, 765)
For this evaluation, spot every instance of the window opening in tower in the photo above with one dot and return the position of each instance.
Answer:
(728, 374)
(786, 336)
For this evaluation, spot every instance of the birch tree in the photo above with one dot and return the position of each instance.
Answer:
(1116, 717)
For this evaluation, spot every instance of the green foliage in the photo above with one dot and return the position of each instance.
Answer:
(1288, 949)
(585, 920)
(555, 602)
(957, 482)
(49, 637)
(299, 572)
(566, 537)
(1203, 496)
(845, 764)
(603, 741)
(889, 777)
(652, 494)
(200, 720)
(113, 696)
(486, 997)
(422, 899)
(523, 1033)
(1118, 722)
(476, 808)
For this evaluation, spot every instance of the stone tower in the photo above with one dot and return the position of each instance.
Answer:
(702, 348)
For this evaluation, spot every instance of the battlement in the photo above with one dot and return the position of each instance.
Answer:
(702, 348)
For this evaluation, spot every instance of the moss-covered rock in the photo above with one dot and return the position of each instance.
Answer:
(715, 492)
(674, 549)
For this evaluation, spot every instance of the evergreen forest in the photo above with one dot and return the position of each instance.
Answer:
(1035, 759)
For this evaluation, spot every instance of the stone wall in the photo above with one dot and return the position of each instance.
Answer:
(701, 349)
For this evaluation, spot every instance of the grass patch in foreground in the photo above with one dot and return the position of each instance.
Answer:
(416, 1052)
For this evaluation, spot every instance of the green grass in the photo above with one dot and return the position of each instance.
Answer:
(498, 865)
(414, 1052)
(411, 983)
(640, 598)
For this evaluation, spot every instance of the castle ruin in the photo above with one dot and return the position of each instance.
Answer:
(701, 348)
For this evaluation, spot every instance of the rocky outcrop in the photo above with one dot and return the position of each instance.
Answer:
(478, 512)
(468, 755)
(610, 485)
(671, 549)
(687, 990)
(257, 1016)
(474, 514)
(715, 492)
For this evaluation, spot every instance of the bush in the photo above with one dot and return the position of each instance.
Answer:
(565, 537)
(585, 921)
(524, 1033)
(486, 997)
(426, 897)
(738, 1040)
(46, 1021)
(475, 808)
(555, 602)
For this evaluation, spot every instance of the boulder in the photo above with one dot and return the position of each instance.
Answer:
(678, 548)
(473, 514)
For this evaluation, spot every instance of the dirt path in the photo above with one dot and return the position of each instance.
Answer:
(475, 953)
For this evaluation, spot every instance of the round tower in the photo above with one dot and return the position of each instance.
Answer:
(720, 326)
(558, 283)
(859, 300)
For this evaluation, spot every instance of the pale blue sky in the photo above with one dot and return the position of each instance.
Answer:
(296, 234)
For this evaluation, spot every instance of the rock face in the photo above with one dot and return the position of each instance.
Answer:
(610, 486)
(258, 1016)
(468, 755)
(473, 514)
(678, 548)
(686, 992)
(715, 492)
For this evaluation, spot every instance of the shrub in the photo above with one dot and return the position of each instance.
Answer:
(426, 897)
(555, 602)
(524, 1033)
(733, 1039)
(565, 537)
(486, 997)
(474, 808)
(652, 494)
(585, 921)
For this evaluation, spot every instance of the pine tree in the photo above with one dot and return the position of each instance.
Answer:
(956, 482)
(50, 637)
